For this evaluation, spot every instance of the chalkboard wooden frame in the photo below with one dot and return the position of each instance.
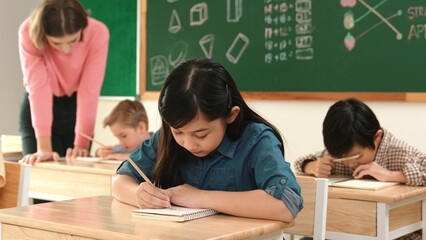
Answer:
(145, 93)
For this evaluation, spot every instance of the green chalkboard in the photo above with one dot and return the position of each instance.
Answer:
(120, 16)
(294, 45)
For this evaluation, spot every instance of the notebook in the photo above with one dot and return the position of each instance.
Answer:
(366, 184)
(175, 213)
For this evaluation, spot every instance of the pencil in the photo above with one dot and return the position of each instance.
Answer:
(347, 158)
(140, 171)
(92, 139)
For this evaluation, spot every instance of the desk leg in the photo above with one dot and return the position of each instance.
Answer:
(382, 221)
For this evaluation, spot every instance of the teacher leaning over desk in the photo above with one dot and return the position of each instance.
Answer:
(63, 56)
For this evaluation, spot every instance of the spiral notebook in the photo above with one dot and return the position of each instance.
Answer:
(175, 213)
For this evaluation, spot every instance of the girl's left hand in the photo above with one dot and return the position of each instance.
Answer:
(186, 195)
(374, 170)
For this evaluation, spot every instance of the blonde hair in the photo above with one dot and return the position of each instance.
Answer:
(128, 113)
(56, 18)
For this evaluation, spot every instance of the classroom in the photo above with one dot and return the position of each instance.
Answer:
(299, 114)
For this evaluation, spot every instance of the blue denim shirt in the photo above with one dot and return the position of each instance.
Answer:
(254, 161)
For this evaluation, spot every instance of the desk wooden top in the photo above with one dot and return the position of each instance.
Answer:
(388, 195)
(103, 217)
(80, 166)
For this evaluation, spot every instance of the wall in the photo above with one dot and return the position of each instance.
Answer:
(12, 13)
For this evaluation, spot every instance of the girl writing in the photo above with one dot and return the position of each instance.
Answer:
(212, 151)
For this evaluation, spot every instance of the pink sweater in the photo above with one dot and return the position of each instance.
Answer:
(50, 73)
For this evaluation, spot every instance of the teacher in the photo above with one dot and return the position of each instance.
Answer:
(63, 55)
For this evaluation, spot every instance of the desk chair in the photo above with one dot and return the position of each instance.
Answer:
(15, 192)
(311, 221)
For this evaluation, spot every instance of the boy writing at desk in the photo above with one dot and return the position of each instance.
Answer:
(352, 131)
(212, 151)
(128, 122)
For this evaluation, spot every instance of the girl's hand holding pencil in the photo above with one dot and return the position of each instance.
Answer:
(147, 194)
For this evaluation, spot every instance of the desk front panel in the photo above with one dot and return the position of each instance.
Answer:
(24, 233)
(360, 217)
(405, 215)
(68, 183)
(351, 216)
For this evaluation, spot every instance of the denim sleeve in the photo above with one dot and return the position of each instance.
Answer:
(273, 174)
(144, 157)
(293, 200)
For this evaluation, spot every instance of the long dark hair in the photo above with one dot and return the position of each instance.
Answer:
(348, 122)
(197, 86)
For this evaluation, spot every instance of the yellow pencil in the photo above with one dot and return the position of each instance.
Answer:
(140, 171)
(92, 139)
(347, 158)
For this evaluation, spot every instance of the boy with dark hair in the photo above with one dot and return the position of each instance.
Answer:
(351, 130)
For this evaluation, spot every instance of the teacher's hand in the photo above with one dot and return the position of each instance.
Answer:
(76, 152)
(40, 157)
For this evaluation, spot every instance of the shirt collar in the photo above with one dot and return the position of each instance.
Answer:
(227, 147)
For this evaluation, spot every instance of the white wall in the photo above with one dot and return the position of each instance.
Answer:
(301, 121)
(12, 13)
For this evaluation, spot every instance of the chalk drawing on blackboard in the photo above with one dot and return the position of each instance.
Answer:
(349, 41)
(159, 69)
(199, 14)
(178, 53)
(347, 3)
(301, 28)
(305, 54)
(207, 44)
(234, 10)
(237, 48)
(174, 24)
(349, 21)
(172, 1)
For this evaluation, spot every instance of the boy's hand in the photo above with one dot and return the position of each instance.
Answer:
(103, 152)
(322, 167)
(379, 173)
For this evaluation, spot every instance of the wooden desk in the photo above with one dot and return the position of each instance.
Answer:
(380, 214)
(11, 147)
(56, 181)
(103, 217)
